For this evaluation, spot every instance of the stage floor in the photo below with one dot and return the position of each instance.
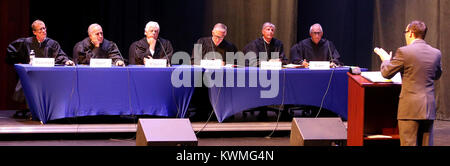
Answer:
(237, 132)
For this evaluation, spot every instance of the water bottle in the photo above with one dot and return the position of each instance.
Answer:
(31, 56)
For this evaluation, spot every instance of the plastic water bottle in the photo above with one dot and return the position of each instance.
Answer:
(32, 55)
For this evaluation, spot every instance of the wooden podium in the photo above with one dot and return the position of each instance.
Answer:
(372, 111)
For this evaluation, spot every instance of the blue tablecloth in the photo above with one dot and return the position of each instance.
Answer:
(64, 91)
(296, 86)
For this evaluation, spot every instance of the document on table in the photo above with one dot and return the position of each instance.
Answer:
(375, 76)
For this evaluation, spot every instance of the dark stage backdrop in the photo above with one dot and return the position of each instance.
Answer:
(123, 21)
(14, 23)
(347, 23)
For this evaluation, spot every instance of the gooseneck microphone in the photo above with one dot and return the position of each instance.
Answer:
(330, 54)
(164, 50)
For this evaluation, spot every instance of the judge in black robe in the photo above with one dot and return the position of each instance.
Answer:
(150, 47)
(315, 48)
(216, 44)
(141, 49)
(19, 50)
(95, 46)
(268, 44)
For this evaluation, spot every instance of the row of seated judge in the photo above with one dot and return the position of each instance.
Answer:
(152, 46)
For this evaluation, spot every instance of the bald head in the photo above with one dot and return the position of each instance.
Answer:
(95, 33)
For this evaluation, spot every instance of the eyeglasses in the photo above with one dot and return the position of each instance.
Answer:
(404, 32)
(316, 33)
(218, 37)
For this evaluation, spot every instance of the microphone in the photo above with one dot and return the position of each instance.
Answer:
(331, 55)
(214, 51)
(164, 50)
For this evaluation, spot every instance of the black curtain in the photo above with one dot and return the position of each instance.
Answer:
(14, 23)
(123, 21)
(347, 23)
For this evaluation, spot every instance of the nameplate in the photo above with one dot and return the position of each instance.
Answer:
(97, 62)
(319, 65)
(266, 65)
(43, 62)
(211, 64)
(155, 62)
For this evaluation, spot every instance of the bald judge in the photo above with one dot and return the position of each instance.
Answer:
(95, 46)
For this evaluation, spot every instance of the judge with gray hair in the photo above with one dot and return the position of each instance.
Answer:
(265, 44)
(215, 43)
(95, 46)
(151, 46)
(315, 48)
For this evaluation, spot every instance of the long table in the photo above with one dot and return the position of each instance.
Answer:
(64, 91)
(67, 91)
(296, 86)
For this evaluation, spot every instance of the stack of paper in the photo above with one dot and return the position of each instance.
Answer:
(375, 76)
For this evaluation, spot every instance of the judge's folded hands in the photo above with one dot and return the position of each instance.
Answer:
(69, 63)
(120, 63)
(383, 54)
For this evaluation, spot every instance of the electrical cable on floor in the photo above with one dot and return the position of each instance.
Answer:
(212, 111)
(326, 92)
(279, 108)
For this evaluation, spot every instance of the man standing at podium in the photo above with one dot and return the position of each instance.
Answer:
(420, 65)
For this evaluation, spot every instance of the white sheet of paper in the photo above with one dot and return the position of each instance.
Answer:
(375, 76)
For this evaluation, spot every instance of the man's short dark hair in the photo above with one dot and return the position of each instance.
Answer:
(418, 28)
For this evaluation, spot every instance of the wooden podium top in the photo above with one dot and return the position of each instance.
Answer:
(363, 82)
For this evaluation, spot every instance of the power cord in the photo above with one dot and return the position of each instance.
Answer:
(279, 108)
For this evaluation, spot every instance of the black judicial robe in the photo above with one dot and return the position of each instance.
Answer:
(259, 45)
(19, 50)
(307, 49)
(84, 50)
(140, 49)
(209, 46)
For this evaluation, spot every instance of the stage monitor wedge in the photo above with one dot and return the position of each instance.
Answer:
(165, 132)
(318, 132)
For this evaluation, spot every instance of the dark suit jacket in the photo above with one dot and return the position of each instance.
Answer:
(420, 65)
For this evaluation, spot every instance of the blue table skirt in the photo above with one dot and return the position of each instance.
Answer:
(296, 86)
(64, 91)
